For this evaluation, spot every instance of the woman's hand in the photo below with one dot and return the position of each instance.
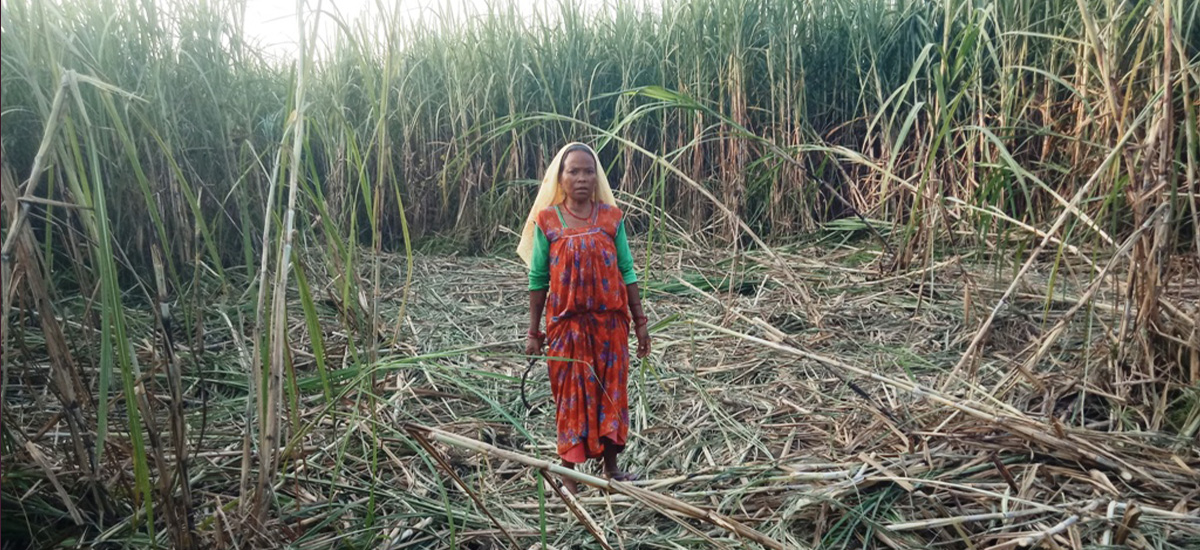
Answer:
(643, 338)
(533, 345)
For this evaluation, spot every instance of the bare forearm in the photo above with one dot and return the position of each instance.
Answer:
(639, 320)
(635, 303)
(537, 304)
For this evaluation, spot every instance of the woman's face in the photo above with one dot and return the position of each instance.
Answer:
(578, 178)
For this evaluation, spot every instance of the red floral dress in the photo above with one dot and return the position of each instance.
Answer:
(587, 325)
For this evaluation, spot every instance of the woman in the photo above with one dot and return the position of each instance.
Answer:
(581, 274)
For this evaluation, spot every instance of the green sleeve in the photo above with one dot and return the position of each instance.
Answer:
(624, 258)
(539, 265)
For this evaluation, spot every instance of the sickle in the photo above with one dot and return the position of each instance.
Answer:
(524, 376)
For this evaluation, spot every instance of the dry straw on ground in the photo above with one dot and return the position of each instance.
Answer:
(188, 355)
(743, 429)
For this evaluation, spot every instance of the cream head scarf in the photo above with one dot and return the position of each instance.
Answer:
(551, 193)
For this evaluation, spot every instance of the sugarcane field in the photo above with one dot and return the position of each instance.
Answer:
(600, 274)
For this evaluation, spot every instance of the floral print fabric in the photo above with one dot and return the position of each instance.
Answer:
(587, 326)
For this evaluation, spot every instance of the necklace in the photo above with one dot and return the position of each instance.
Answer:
(580, 218)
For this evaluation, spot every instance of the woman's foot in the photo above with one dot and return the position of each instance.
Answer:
(611, 470)
(569, 484)
(618, 475)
